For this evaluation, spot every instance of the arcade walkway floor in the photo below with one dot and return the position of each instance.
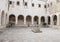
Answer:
(26, 35)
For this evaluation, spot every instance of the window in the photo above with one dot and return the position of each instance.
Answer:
(45, 6)
(39, 5)
(32, 4)
(25, 3)
(10, 2)
(18, 3)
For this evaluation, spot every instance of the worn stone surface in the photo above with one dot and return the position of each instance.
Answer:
(26, 35)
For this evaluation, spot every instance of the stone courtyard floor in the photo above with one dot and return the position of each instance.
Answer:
(26, 35)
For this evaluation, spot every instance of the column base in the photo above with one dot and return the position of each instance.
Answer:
(2, 27)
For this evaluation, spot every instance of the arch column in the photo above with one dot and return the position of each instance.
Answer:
(5, 19)
(0, 19)
(16, 22)
(58, 19)
(7, 22)
(46, 19)
(32, 21)
(43, 19)
(12, 19)
(25, 20)
(36, 20)
(39, 21)
(51, 21)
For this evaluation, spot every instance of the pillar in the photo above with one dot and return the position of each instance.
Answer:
(7, 22)
(24, 20)
(46, 19)
(32, 21)
(16, 20)
(39, 20)
(4, 18)
(0, 19)
(51, 21)
(58, 20)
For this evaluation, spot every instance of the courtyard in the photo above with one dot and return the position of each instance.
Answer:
(25, 34)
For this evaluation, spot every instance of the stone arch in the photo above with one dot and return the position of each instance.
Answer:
(55, 19)
(36, 19)
(20, 19)
(49, 20)
(28, 19)
(12, 19)
(2, 18)
(42, 19)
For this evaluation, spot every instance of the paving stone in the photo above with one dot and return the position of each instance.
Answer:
(26, 35)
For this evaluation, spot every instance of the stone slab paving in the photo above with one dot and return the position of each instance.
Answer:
(26, 35)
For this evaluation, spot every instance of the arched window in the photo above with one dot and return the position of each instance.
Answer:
(20, 19)
(36, 18)
(45, 6)
(12, 19)
(28, 19)
(18, 3)
(55, 20)
(49, 20)
(32, 4)
(10, 2)
(25, 3)
(42, 19)
(39, 5)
